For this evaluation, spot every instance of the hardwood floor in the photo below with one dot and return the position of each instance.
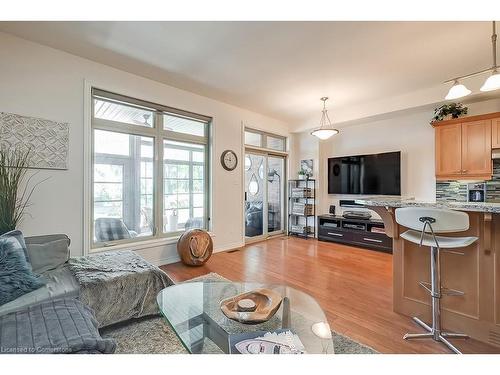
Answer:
(352, 285)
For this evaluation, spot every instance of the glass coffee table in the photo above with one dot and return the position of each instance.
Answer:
(193, 311)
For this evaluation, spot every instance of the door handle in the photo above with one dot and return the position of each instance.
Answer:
(335, 234)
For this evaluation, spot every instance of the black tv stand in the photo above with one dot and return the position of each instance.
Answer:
(355, 232)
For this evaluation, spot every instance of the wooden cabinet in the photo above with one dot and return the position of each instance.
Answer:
(476, 148)
(495, 133)
(463, 147)
(449, 150)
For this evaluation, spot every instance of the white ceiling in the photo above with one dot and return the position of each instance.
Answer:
(280, 69)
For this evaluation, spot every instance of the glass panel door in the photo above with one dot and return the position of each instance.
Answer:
(254, 195)
(264, 195)
(275, 193)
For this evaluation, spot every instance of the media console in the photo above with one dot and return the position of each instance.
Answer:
(357, 232)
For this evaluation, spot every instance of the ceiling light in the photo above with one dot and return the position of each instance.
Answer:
(457, 91)
(326, 129)
(492, 83)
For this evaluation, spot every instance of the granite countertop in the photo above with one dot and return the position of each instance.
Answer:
(410, 202)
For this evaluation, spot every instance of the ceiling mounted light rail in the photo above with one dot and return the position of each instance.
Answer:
(459, 90)
(326, 129)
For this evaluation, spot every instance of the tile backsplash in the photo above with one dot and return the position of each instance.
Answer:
(456, 191)
(451, 191)
(493, 186)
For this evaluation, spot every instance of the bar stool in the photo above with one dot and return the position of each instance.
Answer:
(424, 223)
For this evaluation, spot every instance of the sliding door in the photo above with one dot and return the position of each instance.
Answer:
(254, 195)
(264, 195)
(275, 180)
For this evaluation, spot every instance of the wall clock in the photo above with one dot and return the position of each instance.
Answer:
(229, 160)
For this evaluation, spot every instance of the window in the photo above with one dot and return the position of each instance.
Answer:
(184, 181)
(150, 170)
(253, 139)
(275, 143)
(107, 110)
(260, 139)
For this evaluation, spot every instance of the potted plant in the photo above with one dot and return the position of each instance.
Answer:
(304, 175)
(14, 199)
(449, 111)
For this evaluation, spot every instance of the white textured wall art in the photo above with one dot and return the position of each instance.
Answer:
(48, 140)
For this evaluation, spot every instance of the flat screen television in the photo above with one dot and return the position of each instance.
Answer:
(377, 174)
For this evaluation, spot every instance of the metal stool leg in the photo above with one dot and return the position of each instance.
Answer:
(454, 335)
(449, 345)
(436, 292)
(434, 332)
(410, 336)
(422, 324)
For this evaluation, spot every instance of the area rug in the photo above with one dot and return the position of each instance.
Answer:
(154, 336)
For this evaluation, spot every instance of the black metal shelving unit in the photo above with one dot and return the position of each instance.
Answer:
(305, 220)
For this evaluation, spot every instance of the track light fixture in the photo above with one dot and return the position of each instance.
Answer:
(458, 90)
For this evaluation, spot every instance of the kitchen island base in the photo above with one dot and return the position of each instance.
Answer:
(474, 270)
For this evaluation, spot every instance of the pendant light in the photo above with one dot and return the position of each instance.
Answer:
(326, 129)
(458, 90)
(493, 82)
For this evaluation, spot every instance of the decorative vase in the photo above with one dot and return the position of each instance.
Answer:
(172, 222)
(195, 247)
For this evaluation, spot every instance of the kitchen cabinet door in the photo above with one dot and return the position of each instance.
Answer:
(476, 148)
(495, 133)
(448, 150)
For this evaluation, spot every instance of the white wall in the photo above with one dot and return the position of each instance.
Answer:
(39, 81)
(408, 132)
(303, 146)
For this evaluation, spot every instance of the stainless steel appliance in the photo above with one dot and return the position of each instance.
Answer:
(476, 192)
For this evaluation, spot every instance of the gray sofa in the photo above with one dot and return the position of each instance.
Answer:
(118, 286)
(53, 267)
(81, 295)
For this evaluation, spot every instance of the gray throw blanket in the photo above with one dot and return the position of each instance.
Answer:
(58, 326)
(118, 285)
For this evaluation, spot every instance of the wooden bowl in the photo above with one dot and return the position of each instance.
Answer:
(266, 303)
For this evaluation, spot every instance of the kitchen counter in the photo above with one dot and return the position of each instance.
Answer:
(410, 202)
(474, 270)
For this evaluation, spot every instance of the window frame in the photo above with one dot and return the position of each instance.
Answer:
(158, 135)
(264, 143)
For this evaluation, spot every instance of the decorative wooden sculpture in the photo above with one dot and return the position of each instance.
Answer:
(195, 247)
(252, 307)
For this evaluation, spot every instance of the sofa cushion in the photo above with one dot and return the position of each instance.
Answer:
(16, 277)
(60, 283)
(60, 326)
(17, 239)
(47, 252)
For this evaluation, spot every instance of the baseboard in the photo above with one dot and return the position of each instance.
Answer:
(174, 258)
(231, 246)
(167, 260)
